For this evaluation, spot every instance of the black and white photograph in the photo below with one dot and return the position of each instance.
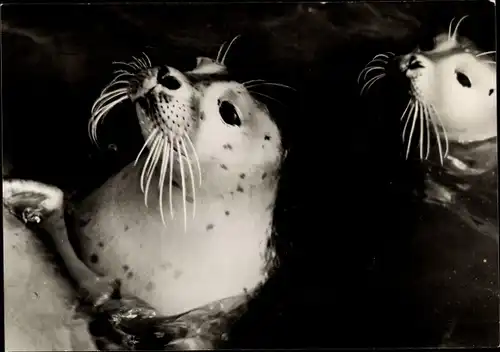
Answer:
(249, 175)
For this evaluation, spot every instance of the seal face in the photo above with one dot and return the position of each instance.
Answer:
(452, 92)
(214, 152)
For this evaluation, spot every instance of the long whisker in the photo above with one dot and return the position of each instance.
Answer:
(147, 163)
(414, 121)
(270, 84)
(217, 59)
(129, 64)
(106, 106)
(368, 83)
(190, 143)
(191, 174)
(105, 97)
(163, 172)
(147, 59)
(427, 130)
(486, 53)
(253, 81)
(438, 139)
(450, 27)
(140, 62)
(377, 60)
(406, 109)
(412, 111)
(375, 80)
(229, 47)
(96, 119)
(445, 134)
(421, 132)
(385, 56)
(266, 96)
(171, 177)
(152, 169)
(148, 141)
(367, 70)
(183, 182)
(455, 32)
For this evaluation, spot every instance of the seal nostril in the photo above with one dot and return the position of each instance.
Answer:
(169, 82)
(413, 63)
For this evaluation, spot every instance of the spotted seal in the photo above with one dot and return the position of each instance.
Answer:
(450, 120)
(192, 224)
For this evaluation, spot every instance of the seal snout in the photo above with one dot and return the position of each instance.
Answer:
(165, 100)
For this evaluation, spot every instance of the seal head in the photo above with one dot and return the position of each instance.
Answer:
(197, 125)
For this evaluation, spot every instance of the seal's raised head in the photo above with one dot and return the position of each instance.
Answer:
(452, 88)
(200, 126)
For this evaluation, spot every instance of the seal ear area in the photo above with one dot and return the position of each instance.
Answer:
(208, 66)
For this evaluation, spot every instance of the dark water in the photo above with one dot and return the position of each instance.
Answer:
(363, 264)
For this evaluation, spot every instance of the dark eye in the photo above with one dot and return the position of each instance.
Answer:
(169, 82)
(229, 114)
(463, 79)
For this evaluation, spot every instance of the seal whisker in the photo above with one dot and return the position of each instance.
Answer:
(104, 97)
(152, 168)
(148, 61)
(421, 132)
(367, 70)
(104, 108)
(438, 139)
(171, 177)
(450, 26)
(163, 172)
(191, 174)
(183, 182)
(427, 130)
(486, 53)
(105, 100)
(148, 141)
(266, 96)
(227, 50)
(270, 84)
(148, 161)
(116, 82)
(375, 80)
(445, 134)
(455, 32)
(122, 71)
(191, 145)
(406, 109)
(490, 62)
(369, 83)
(217, 59)
(129, 64)
(97, 118)
(414, 122)
(408, 118)
(140, 63)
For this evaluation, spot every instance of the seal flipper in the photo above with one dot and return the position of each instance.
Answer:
(43, 205)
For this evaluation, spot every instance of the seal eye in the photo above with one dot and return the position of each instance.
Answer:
(169, 82)
(229, 114)
(463, 80)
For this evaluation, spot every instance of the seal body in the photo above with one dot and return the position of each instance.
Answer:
(210, 180)
(38, 299)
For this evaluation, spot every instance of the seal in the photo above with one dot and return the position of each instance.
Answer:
(452, 106)
(190, 226)
(39, 301)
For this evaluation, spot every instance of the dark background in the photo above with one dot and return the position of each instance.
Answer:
(361, 264)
